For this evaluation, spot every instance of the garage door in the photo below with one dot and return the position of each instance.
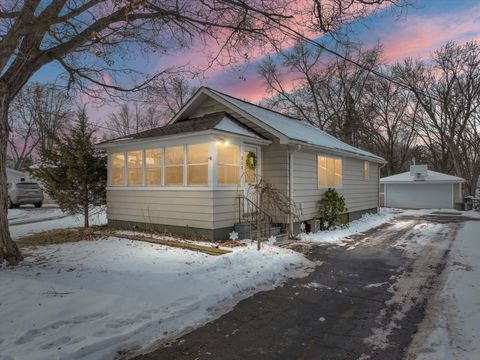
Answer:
(419, 196)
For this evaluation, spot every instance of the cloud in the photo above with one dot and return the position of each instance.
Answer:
(419, 36)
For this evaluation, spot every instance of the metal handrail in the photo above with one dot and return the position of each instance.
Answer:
(249, 212)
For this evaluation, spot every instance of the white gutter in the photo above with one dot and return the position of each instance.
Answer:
(336, 151)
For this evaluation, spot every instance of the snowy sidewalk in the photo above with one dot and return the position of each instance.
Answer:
(93, 299)
(451, 328)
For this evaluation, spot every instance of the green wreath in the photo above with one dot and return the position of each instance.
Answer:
(251, 161)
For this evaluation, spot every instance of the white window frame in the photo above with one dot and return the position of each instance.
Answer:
(145, 167)
(196, 164)
(142, 159)
(318, 173)
(217, 163)
(366, 175)
(125, 169)
(165, 166)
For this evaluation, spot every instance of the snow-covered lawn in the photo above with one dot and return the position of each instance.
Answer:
(451, 329)
(91, 299)
(18, 216)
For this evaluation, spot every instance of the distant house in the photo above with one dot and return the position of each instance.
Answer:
(421, 188)
(191, 176)
(15, 176)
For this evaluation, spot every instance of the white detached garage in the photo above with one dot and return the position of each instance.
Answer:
(421, 188)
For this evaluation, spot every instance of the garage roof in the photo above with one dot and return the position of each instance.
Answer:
(432, 177)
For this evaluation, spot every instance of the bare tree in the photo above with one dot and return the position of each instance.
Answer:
(448, 90)
(327, 92)
(86, 37)
(37, 112)
(390, 127)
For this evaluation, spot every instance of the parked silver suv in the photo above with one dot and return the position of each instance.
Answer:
(24, 193)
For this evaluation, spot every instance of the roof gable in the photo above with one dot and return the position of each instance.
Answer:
(284, 127)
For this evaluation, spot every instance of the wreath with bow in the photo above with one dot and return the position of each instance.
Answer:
(251, 161)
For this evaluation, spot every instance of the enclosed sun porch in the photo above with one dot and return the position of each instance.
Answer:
(185, 178)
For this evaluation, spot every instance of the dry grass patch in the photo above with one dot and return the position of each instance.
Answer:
(210, 250)
(60, 236)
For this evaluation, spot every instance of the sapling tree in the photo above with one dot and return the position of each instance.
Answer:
(73, 171)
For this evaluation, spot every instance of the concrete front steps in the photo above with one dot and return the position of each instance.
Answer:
(249, 231)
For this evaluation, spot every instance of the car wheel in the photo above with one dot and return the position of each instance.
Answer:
(38, 205)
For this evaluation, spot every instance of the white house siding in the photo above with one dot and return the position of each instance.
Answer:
(359, 194)
(225, 208)
(186, 208)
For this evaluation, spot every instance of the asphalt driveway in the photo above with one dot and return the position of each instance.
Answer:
(363, 301)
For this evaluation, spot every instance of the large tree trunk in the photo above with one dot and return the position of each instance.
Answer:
(8, 248)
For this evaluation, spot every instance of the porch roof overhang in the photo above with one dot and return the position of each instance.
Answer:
(212, 132)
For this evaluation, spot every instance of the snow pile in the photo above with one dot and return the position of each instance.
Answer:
(92, 299)
(366, 222)
(20, 216)
(99, 217)
(451, 328)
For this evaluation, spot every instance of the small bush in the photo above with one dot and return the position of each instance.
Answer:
(331, 210)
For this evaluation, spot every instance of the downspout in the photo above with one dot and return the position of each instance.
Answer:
(290, 183)
(380, 168)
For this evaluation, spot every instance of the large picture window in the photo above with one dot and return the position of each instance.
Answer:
(153, 167)
(329, 172)
(117, 169)
(174, 162)
(134, 167)
(228, 165)
(197, 164)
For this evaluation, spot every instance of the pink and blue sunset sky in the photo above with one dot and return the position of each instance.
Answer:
(425, 26)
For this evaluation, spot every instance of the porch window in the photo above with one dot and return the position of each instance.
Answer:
(329, 172)
(174, 162)
(197, 164)
(117, 169)
(228, 165)
(153, 166)
(365, 170)
(134, 167)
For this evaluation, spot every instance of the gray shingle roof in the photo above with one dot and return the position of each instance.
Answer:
(206, 122)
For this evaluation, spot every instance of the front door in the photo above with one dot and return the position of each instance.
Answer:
(251, 164)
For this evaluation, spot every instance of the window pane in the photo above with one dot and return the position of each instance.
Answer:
(198, 175)
(118, 160)
(250, 175)
(197, 153)
(338, 172)
(229, 154)
(174, 175)
(365, 170)
(153, 157)
(134, 159)
(174, 155)
(117, 177)
(322, 171)
(135, 176)
(228, 175)
(330, 171)
(153, 176)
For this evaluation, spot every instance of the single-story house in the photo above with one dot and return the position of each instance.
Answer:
(15, 176)
(421, 188)
(191, 175)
